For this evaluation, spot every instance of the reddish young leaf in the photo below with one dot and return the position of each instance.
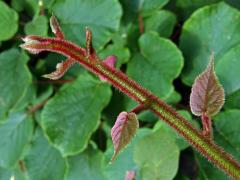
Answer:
(130, 175)
(89, 46)
(56, 29)
(110, 61)
(29, 43)
(123, 131)
(207, 94)
(61, 69)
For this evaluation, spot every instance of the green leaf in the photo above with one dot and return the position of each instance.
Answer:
(160, 60)
(162, 22)
(4, 173)
(123, 131)
(207, 95)
(19, 174)
(43, 161)
(31, 7)
(16, 79)
(232, 101)
(75, 15)
(226, 135)
(147, 7)
(132, 9)
(185, 8)
(157, 156)
(44, 93)
(213, 28)
(15, 135)
(227, 125)
(87, 165)
(8, 22)
(38, 26)
(27, 97)
(174, 98)
(73, 114)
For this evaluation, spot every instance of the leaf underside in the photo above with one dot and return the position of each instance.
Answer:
(207, 94)
(123, 131)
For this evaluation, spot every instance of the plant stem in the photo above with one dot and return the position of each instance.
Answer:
(36, 107)
(139, 108)
(129, 87)
(140, 24)
(207, 125)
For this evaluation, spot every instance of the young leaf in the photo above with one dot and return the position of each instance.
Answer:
(61, 69)
(56, 29)
(123, 131)
(110, 61)
(130, 175)
(89, 46)
(207, 94)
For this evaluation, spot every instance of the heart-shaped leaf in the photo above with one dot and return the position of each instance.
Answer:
(207, 94)
(123, 131)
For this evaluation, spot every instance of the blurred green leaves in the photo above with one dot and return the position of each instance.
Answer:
(147, 7)
(162, 22)
(8, 22)
(38, 26)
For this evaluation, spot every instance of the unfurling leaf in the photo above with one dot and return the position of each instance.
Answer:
(30, 45)
(207, 94)
(56, 29)
(89, 46)
(123, 131)
(110, 61)
(61, 69)
(35, 44)
(130, 175)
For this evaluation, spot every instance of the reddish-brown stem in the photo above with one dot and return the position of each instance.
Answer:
(138, 109)
(204, 145)
(140, 24)
(22, 165)
(207, 125)
(41, 7)
(54, 82)
(36, 107)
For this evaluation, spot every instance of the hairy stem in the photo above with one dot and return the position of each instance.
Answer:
(139, 108)
(207, 125)
(129, 87)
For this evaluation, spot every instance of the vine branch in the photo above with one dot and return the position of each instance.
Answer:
(118, 79)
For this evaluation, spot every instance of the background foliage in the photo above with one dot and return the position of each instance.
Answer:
(54, 130)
